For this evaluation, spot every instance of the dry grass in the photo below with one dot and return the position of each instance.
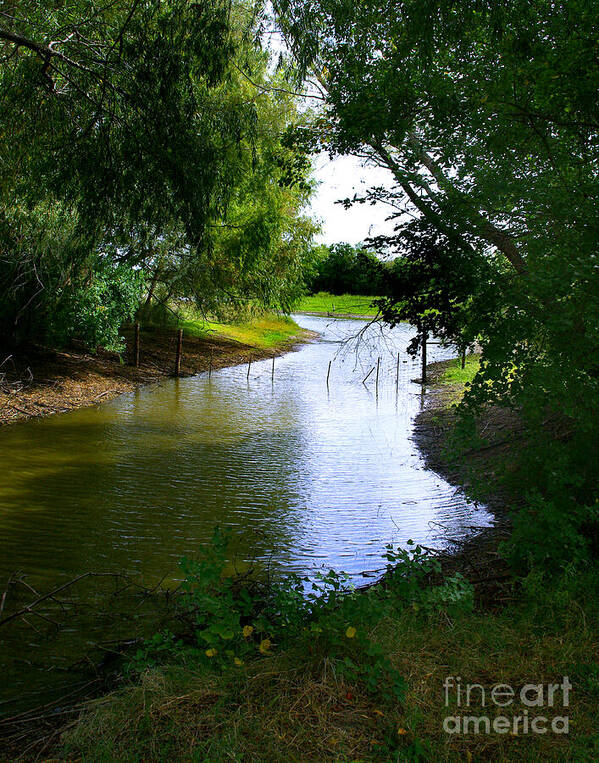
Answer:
(294, 706)
(274, 711)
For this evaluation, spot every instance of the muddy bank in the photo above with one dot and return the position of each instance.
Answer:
(36, 381)
(475, 471)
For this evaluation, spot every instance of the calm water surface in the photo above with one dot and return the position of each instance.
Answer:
(306, 477)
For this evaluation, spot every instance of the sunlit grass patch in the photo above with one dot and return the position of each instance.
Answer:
(256, 328)
(344, 304)
(265, 331)
(455, 374)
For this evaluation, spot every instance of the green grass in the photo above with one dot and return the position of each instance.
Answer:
(260, 330)
(456, 375)
(344, 304)
(265, 331)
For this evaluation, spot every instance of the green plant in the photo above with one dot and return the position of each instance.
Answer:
(229, 619)
(94, 309)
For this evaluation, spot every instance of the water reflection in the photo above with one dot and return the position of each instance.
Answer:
(305, 475)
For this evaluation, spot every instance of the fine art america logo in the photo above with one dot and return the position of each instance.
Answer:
(539, 708)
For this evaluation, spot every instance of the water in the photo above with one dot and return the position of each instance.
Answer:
(306, 477)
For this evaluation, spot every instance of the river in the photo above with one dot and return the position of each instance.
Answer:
(307, 476)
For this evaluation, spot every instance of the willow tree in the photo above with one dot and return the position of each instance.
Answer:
(120, 124)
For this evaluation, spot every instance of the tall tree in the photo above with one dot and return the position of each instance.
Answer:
(486, 115)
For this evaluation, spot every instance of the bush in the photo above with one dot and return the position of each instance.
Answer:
(94, 310)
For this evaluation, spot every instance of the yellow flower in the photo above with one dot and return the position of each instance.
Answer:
(210, 652)
(265, 646)
(350, 632)
(238, 662)
(248, 630)
(401, 731)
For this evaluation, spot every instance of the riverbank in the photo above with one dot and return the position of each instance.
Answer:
(373, 676)
(473, 470)
(37, 381)
(478, 468)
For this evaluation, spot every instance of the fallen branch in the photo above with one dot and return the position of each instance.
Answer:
(29, 607)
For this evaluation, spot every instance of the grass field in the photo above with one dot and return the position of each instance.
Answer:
(344, 304)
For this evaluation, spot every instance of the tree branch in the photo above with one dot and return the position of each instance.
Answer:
(494, 235)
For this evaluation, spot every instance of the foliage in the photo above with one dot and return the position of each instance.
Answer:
(276, 707)
(232, 618)
(436, 286)
(485, 118)
(159, 131)
(345, 269)
(93, 309)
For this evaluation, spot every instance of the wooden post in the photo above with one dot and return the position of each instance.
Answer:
(397, 376)
(424, 338)
(137, 345)
(272, 375)
(249, 366)
(378, 365)
(210, 366)
(329, 372)
(179, 352)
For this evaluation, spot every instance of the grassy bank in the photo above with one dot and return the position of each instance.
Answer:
(263, 332)
(342, 305)
(297, 705)
(258, 673)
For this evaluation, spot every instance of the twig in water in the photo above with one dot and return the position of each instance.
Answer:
(368, 374)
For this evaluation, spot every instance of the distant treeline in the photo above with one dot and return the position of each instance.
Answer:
(347, 269)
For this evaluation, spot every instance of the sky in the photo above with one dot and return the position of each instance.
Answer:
(340, 178)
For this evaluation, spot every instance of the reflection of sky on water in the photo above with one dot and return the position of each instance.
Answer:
(306, 477)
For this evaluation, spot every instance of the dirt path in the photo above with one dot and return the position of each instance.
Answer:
(36, 382)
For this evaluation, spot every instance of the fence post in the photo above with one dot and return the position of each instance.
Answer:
(137, 345)
(424, 338)
(179, 352)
